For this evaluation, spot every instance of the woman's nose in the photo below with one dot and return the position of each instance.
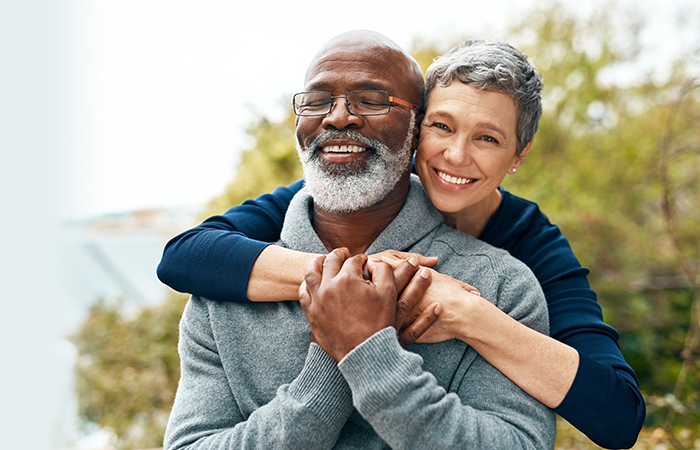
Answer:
(458, 153)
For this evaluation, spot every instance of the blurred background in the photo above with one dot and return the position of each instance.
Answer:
(123, 123)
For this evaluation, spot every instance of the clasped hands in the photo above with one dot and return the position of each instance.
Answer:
(347, 299)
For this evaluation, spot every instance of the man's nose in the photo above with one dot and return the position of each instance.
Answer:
(340, 116)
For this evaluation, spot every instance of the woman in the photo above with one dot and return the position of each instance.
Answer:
(483, 109)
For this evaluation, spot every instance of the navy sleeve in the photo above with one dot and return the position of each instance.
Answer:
(604, 401)
(214, 259)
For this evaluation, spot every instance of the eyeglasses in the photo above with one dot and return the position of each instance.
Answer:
(359, 103)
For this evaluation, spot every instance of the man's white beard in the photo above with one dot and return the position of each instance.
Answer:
(350, 187)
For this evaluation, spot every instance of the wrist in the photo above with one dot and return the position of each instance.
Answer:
(476, 320)
(277, 274)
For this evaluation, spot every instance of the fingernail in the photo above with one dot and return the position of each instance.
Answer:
(475, 292)
(413, 261)
(438, 309)
(425, 273)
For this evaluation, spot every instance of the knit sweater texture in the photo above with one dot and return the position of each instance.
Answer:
(251, 378)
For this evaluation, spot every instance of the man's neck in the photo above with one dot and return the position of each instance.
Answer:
(358, 229)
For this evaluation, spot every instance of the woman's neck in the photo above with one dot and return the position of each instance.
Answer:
(473, 219)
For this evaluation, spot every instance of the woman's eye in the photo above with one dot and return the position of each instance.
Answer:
(441, 126)
(490, 139)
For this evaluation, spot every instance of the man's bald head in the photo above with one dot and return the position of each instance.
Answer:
(373, 47)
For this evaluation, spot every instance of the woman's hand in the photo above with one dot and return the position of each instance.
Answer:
(457, 300)
(394, 258)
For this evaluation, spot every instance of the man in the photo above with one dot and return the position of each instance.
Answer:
(262, 376)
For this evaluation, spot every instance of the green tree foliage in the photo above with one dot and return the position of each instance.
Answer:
(616, 164)
(128, 370)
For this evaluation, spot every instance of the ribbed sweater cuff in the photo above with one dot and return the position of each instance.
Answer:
(246, 256)
(377, 370)
(600, 418)
(321, 387)
(589, 376)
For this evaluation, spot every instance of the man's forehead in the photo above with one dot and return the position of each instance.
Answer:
(358, 68)
(365, 60)
(348, 55)
(362, 74)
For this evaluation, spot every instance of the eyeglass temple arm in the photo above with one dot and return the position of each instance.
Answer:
(398, 101)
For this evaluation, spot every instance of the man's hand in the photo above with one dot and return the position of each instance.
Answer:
(342, 307)
(412, 281)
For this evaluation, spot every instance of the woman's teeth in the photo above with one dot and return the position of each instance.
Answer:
(454, 180)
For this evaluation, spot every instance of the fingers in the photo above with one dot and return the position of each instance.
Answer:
(334, 262)
(404, 272)
(411, 296)
(355, 266)
(313, 274)
(468, 287)
(394, 258)
(304, 296)
(413, 332)
(382, 276)
(427, 261)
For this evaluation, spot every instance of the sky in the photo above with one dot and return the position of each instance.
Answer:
(115, 105)
(161, 92)
(157, 94)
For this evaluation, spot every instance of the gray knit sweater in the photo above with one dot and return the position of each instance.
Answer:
(251, 378)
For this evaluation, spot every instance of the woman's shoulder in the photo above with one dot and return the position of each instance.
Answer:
(519, 227)
(515, 218)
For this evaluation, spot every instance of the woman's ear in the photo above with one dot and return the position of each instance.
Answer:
(521, 157)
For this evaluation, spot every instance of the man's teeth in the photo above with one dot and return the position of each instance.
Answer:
(454, 180)
(343, 149)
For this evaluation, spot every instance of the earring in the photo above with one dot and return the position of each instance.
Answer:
(513, 170)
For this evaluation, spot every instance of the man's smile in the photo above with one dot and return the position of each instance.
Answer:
(342, 152)
(343, 149)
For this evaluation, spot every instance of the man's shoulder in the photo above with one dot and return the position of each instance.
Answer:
(201, 309)
(235, 323)
(464, 245)
(500, 277)
(463, 256)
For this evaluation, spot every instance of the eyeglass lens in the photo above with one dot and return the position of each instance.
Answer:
(358, 102)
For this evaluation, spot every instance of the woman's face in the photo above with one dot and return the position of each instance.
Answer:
(467, 145)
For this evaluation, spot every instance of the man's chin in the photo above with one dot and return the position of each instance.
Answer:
(343, 192)
(350, 169)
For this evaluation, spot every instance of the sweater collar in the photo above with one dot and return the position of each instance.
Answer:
(416, 219)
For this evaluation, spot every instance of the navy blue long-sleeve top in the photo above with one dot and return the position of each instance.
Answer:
(214, 260)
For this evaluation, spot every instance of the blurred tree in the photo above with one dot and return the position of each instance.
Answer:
(128, 370)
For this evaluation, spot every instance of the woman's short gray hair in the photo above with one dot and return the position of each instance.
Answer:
(494, 66)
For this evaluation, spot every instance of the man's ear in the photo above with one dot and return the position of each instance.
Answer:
(416, 131)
